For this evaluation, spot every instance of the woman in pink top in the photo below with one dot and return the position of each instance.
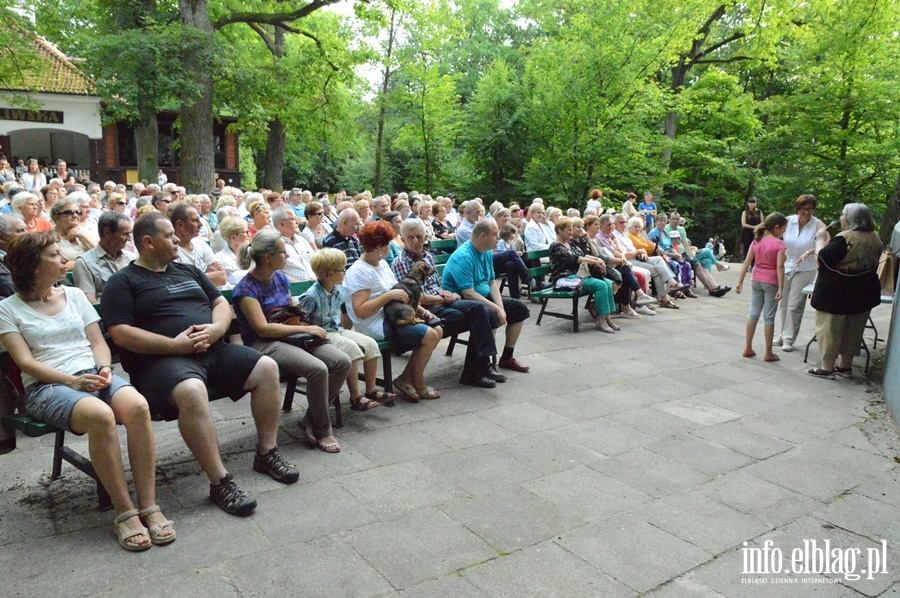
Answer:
(766, 255)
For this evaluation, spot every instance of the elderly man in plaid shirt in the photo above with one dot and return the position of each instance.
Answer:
(456, 314)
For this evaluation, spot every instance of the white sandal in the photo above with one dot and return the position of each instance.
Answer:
(125, 533)
(154, 530)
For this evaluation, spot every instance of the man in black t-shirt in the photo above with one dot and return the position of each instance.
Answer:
(170, 320)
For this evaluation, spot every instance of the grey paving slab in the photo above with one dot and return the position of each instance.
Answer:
(207, 582)
(806, 530)
(393, 490)
(448, 585)
(546, 570)
(698, 411)
(865, 516)
(732, 399)
(586, 493)
(738, 436)
(820, 470)
(512, 518)
(481, 469)
(786, 425)
(463, 431)
(882, 486)
(397, 444)
(702, 455)
(548, 451)
(316, 509)
(748, 494)
(525, 418)
(325, 567)
(649, 472)
(593, 403)
(684, 587)
(658, 424)
(724, 575)
(606, 436)
(634, 552)
(702, 521)
(407, 551)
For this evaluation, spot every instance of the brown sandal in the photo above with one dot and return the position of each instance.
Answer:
(357, 404)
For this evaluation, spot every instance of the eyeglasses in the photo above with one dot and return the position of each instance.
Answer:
(165, 201)
(807, 210)
(121, 203)
(71, 213)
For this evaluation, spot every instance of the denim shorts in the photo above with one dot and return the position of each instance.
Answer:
(405, 338)
(53, 403)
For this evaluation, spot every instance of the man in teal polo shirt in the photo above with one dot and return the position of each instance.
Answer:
(470, 274)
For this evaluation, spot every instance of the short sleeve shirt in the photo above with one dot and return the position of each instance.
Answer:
(93, 268)
(377, 280)
(469, 268)
(323, 308)
(765, 259)
(164, 303)
(59, 341)
(272, 294)
(201, 255)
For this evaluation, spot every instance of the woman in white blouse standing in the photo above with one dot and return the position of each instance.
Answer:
(800, 268)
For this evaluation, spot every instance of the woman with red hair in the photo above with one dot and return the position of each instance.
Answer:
(368, 287)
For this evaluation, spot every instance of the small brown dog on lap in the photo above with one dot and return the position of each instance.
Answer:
(402, 314)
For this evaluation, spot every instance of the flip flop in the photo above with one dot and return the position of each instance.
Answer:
(771, 358)
(749, 353)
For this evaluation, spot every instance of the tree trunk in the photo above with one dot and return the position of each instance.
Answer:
(382, 111)
(891, 215)
(670, 124)
(275, 142)
(197, 153)
(146, 142)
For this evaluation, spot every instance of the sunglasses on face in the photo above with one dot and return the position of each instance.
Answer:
(121, 203)
(71, 213)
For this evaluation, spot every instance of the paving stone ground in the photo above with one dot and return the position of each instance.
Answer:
(643, 463)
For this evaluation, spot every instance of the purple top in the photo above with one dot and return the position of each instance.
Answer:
(276, 293)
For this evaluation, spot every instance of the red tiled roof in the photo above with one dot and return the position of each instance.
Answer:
(53, 72)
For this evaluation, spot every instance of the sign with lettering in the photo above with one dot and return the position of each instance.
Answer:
(34, 116)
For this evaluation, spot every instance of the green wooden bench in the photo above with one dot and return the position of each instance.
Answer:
(535, 272)
(544, 298)
(34, 428)
(442, 245)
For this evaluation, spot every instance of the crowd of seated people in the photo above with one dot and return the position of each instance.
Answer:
(155, 266)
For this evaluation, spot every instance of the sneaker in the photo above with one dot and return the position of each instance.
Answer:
(645, 311)
(776, 342)
(274, 464)
(645, 300)
(230, 498)
(787, 347)
(629, 313)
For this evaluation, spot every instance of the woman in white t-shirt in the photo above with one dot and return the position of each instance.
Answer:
(33, 178)
(368, 287)
(53, 335)
(234, 231)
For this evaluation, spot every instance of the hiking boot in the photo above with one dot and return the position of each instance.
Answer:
(274, 464)
(230, 498)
